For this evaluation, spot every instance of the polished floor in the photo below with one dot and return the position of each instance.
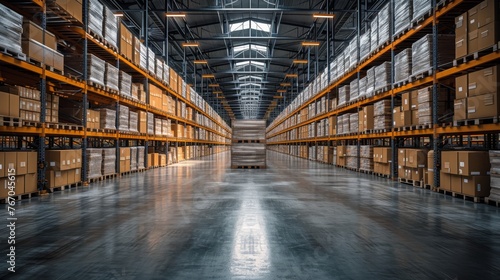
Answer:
(296, 220)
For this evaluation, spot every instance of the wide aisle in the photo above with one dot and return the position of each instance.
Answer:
(296, 220)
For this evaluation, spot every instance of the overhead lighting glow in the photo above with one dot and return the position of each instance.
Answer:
(208, 76)
(285, 84)
(187, 44)
(214, 85)
(300, 61)
(200, 62)
(310, 44)
(118, 14)
(175, 15)
(291, 76)
(281, 90)
(323, 15)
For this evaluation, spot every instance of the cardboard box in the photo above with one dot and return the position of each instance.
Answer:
(137, 51)
(461, 86)
(414, 117)
(77, 154)
(416, 158)
(22, 163)
(17, 184)
(32, 158)
(35, 32)
(37, 51)
(430, 160)
(483, 81)
(406, 101)
(461, 24)
(487, 36)
(430, 179)
(473, 163)
(414, 100)
(472, 17)
(460, 109)
(56, 178)
(476, 186)
(483, 106)
(12, 110)
(473, 42)
(3, 170)
(456, 183)
(402, 157)
(368, 117)
(58, 159)
(402, 119)
(445, 181)
(449, 162)
(10, 162)
(385, 155)
(30, 183)
(417, 174)
(487, 12)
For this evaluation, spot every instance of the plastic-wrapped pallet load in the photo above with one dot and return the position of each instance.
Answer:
(11, 29)
(353, 123)
(346, 124)
(362, 87)
(403, 11)
(420, 8)
(133, 121)
(495, 175)
(110, 27)
(108, 161)
(366, 157)
(370, 82)
(249, 130)
(125, 84)
(107, 118)
(384, 24)
(123, 121)
(402, 65)
(95, 67)
(151, 61)
(166, 127)
(166, 73)
(422, 52)
(94, 163)
(425, 103)
(364, 45)
(354, 90)
(96, 17)
(382, 75)
(111, 77)
(374, 34)
(158, 127)
(244, 151)
(352, 156)
(143, 56)
(340, 65)
(159, 69)
(383, 115)
(133, 158)
(344, 95)
(151, 123)
(140, 157)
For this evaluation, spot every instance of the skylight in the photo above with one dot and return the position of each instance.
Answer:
(250, 24)
(250, 63)
(250, 84)
(250, 77)
(247, 47)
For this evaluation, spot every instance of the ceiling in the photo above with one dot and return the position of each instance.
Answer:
(249, 46)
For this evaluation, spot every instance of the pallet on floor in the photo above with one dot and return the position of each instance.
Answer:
(65, 187)
(382, 175)
(248, 166)
(365, 171)
(19, 197)
(467, 197)
(490, 201)
(406, 181)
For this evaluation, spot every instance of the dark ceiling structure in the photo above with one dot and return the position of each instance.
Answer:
(242, 52)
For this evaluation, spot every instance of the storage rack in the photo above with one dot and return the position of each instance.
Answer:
(441, 15)
(42, 135)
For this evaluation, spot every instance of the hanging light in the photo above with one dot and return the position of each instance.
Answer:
(310, 44)
(323, 16)
(175, 15)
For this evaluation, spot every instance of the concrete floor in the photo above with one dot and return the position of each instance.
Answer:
(296, 220)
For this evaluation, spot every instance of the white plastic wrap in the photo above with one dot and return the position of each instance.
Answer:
(110, 27)
(166, 73)
(374, 34)
(344, 93)
(384, 24)
(94, 163)
(365, 151)
(151, 123)
(422, 52)
(382, 122)
(143, 56)
(352, 151)
(382, 107)
(140, 157)
(166, 127)
(133, 158)
(370, 82)
(108, 161)
(111, 77)
(402, 65)
(133, 121)
(362, 87)
(107, 118)
(354, 90)
(151, 59)
(96, 17)
(159, 69)
(96, 67)
(364, 45)
(11, 29)
(420, 8)
(123, 121)
(366, 164)
(382, 75)
(125, 84)
(353, 123)
(403, 11)
(158, 127)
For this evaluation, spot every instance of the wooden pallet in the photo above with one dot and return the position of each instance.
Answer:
(248, 166)
(421, 18)
(418, 184)
(369, 172)
(378, 131)
(467, 197)
(405, 181)
(401, 83)
(383, 89)
(66, 126)
(490, 201)
(249, 141)
(32, 124)
(421, 75)
(479, 121)
(382, 175)
(10, 121)
(112, 91)
(406, 128)
(68, 186)
(18, 197)
(423, 126)
(13, 53)
(476, 55)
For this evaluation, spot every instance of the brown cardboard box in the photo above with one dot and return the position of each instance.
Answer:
(461, 86)
(460, 109)
(461, 35)
(414, 117)
(57, 178)
(402, 119)
(487, 12)
(58, 159)
(406, 101)
(456, 183)
(17, 185)
(13, 105)
(32, 158)
(30, 183)
(143, 122)
(483, 106)
(75, 9)
(461, 46)
(473, 42)
(416, 158)
(430, 160)
(35, 32)
(368, 119)
(78, 158)
(4, 99)
(417, 174)
(473, 163)
(385, 155)
(37, 51)
(461, 23)
(476, 186)
(332, 125)
(137, 51)
(402, 157)
(22, 163)
(414, 100)
(156, 159)
(449, 162)
(150, 160)
(445, 181)
(430, 178)
(472, 17)
(487, 36)
(483, 81)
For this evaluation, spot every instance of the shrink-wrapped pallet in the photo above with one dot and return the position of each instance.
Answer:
(96, 67)
(133, 121)
(425, 104)
(382, 107)
(249, 147)
(354, 90)
(362, 87)
(384, 24)
(382, 75)
(158, 127)
(108, 161)
(111, 77)
(403, 12)
(151, 123)
(366, 164)
(374, 34)
(107, 118)
(402, 65)
(166, 73)
(123, 120)
(370, 82)
(140, 157)
(495, 175)
(382, 122)
(94, 163)
(166, 127)
(344, 94)
(159, 69)
(421, 8)
(249, 130)
(364, 45)
(422, 52)
(143, 60)
(151, 61)
(11, 29)
(110, 27)
(96, 17)
(353, 123)
(366, 151)
(126, 84)
(133, 158)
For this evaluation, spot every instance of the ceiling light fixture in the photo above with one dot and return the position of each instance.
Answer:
(208, 76)
(281, 91)
(300, 61)
(188, 44)
(323, 15)
(214, 85)
(310, 44)
(175, 15)
(118, 14)
(200, 62)
(291, 76)
(285, 84)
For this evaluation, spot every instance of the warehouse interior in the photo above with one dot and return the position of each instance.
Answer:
(250, 139)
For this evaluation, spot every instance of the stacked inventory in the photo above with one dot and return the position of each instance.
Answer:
(96, 17)
(111, 77)
(95, 67)
(29, 106)
(420, 8)
(124, 159)
(465, 172)
(41, 46)
(370, 82)
(23, 166)
(407, 114)
(402, 66)
(382, 115)
(422, 53)
(133, 158)
(495, 175)
(352, 156)
(425, 101)
(107, 118)
(384, 24)
(412, 164)
(94, 163)
(366, 119)
(382, 158)
(383, 74)
(110, 27)
(366, 158)
(249, 147)
(341, 156)
(108, 161)
(64, 167)
(10, 29)
(126, 85)
(123, 120)
(402, 15)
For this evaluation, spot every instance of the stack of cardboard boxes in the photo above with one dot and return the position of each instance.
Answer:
(495, 175)
(366, 118)
(22, 165)
(64, 167)
(429, 174)
(34, 47)
(382, 115)
(412, 164)
(9, 96)
(465, 172)
(407, 113)
(382, 158)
